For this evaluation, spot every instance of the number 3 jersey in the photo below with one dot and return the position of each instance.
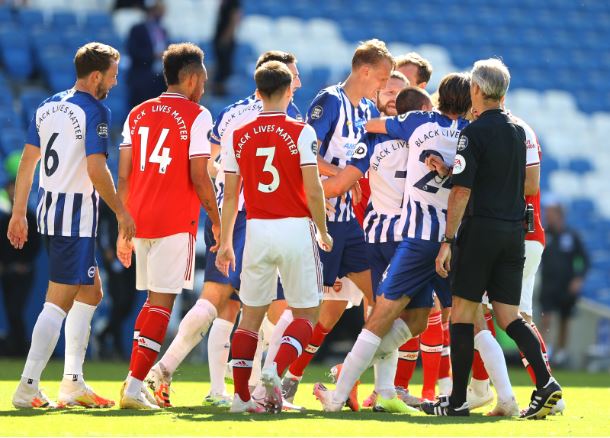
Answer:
(424, 210)
(164, 134)
(67, 127)
(268, 153)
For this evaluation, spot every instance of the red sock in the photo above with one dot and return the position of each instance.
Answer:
(431, 346)
(295, 338)
(136, 331)
(444, 370)
(150, 340)
(298, 366)
(489, 320)
(526, 364)
(243, 348)
(478, 367)
(407, 360)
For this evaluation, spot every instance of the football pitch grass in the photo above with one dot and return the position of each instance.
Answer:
(587, 414)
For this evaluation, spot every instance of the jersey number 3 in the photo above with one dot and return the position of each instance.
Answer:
(162, 159)
(270, 168)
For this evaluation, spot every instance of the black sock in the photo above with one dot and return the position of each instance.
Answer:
(527, 341)
(462, 352)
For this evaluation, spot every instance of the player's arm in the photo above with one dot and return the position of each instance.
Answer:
(213, 162)
(342, 182)
(376, 126)
(532, 180)
(96, 150)
(326, 168)
(225, 259)
(205, 191)
(18, 225)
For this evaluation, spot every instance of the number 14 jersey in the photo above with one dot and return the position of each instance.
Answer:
(424, 210)
(165, 133)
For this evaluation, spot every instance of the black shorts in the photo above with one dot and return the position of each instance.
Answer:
(488, 256)
(558, 300)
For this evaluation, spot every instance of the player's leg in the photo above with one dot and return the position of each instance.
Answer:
(73, 389)
(219, 346)
(444, 372)
(431, 346)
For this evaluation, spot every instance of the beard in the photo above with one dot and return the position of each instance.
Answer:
(101, 93)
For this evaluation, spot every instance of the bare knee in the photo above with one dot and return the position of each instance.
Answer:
(311, 314)
(416, 319)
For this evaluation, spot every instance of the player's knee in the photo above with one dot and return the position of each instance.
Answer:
(528, 318)
(398, 335)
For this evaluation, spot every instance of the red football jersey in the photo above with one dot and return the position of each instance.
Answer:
(164, 134)
(538, 234)
(268, 153)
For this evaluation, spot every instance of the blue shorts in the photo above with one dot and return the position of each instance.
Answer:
(239, 241)
(379, 256)
(412, 272)
(348, 254)
(71, 259)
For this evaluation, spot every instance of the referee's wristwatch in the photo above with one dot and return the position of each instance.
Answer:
(448, 240)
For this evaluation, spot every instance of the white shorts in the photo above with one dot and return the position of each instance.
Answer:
(344, 289)
(165, 265)
(286, 247)
(533, 254)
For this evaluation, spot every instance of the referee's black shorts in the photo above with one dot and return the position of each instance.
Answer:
(488, 256)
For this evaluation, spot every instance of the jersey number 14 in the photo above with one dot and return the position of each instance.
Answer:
(162, 159)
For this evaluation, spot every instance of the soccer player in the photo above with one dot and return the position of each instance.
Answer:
(276, 157)
(338, 115)
(385, 160)
(405, 295)
(69, 132)
(163, 177)
(218, 302)
(417, 69)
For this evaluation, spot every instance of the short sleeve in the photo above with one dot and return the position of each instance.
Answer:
(200, 144)
(466, 160)
(294, 112)
(97, 139)
(323, 113)
(126, 143)
(229, 162)
(33, 137)
(532, 157)
(402, 126)
(214, 135)
(363, 152)
(308, 146)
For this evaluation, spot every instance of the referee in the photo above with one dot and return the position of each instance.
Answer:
(488, 191)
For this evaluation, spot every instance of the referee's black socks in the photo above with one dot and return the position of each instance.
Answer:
(462, 352)
(527, 341)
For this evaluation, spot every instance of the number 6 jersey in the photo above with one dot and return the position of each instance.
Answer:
(68, 127)
(165, 133)
(424, 210)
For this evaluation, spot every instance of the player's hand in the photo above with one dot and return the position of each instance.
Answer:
(225, 259)
(127, 227)
(437, 165)
(356, 193)
(216, 233)
(575, 285)
(443, 260)
(325, 241)
(17, 231)
(124, 251)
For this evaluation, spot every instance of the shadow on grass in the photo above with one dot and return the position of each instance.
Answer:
(206, 413)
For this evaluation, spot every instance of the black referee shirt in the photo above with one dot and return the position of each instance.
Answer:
(490, 161)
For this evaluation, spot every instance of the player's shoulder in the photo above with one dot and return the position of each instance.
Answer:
(239, 107)
(329, 95)
(89, 104)
(529, 131)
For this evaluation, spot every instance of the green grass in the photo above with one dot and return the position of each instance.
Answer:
(587, 396)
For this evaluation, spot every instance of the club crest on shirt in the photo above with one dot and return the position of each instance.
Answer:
(459, 164)
(462, 143)
(91, 272)
(316, 112)
(102, 130)
(360, 151)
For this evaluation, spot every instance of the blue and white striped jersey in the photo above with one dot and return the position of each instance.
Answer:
(67, 127)
(232, 117)
(340, 128)
(424, 210)
(386, 160)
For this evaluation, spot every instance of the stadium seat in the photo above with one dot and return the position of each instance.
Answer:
(580, 165)
(18, 62)
(11, 139)
(98, 22)
(124, 19)
(30, 19)
(64, 20)
(30, 100)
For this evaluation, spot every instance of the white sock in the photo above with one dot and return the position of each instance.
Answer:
(257, 363)
(267, 331)
(219, 345)
(276, 338)
(398, 335)
(77, 331)
(495, 364)
(191, 331)
(133, 387)
(356, 362)
(44, 339)
(385, 370)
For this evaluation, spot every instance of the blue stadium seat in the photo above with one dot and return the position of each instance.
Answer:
(6, 15)
(30, 18)
(64, 20)
(9, 118)
(580, 165)
(30, 100)
(11, 139)
(98, 22)
(60, 80)
(18, 62)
